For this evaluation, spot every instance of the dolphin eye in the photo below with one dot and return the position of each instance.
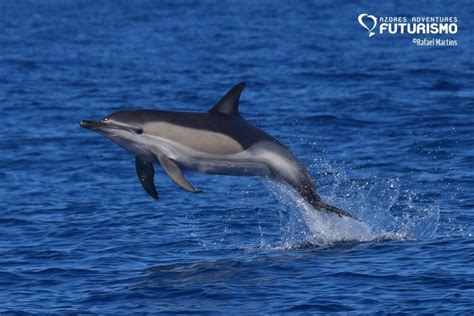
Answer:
(139, 131)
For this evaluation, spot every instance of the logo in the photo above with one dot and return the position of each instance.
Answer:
(440, 28)
(371, 17)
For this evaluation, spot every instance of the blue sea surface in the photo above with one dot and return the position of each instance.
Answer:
(385, 127)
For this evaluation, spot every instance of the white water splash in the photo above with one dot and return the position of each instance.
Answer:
(381, 211)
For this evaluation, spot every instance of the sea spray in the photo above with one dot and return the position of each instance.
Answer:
(381, 210)
(301, 223)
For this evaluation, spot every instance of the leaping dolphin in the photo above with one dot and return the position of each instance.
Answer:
(219, 141)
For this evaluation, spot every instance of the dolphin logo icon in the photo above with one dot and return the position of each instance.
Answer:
(361, 22)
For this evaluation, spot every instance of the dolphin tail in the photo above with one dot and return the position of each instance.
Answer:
(308, 192)
(329, 208)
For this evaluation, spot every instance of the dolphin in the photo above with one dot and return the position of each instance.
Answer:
(219, 141)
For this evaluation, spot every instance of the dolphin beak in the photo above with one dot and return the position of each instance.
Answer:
(101, 126)
(92, 124)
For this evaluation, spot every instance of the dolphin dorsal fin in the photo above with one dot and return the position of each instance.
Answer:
(229, 104)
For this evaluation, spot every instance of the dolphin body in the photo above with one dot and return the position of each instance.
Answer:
(219, 141)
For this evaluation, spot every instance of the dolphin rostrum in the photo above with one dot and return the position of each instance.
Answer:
(219, 141)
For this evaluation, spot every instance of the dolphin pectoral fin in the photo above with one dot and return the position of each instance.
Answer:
(175, 173)
(146, 175)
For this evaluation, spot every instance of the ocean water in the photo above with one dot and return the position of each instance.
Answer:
(384, 127)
